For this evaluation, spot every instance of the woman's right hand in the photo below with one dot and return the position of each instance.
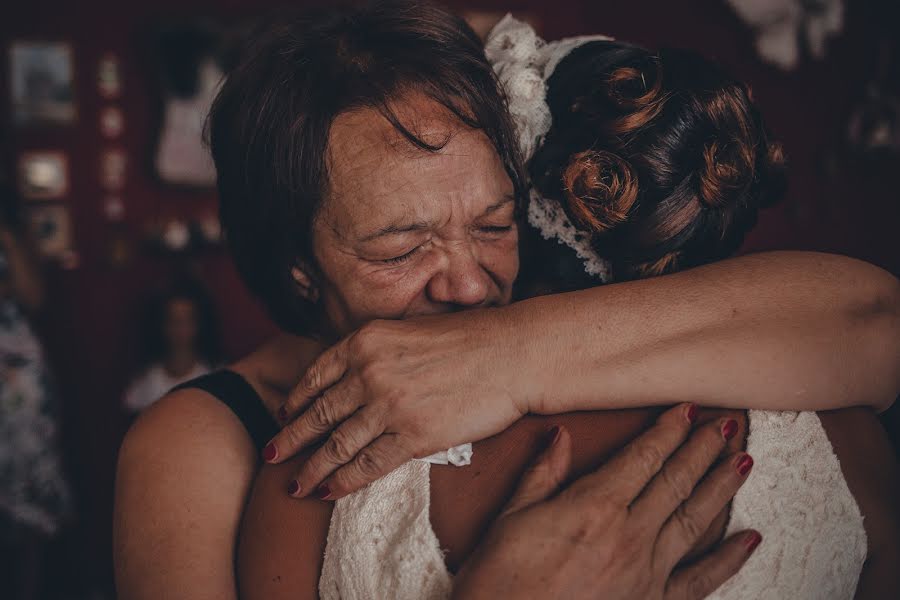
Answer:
(620, 532)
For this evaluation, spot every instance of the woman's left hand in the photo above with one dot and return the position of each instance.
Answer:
(397, 390)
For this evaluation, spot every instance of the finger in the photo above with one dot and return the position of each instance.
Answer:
(693, 518)
(324, 415)
(342, 446)
(675, 482)
(545, 474)
(325, 371)
(627, 473)
(376, 460)
(705, 576)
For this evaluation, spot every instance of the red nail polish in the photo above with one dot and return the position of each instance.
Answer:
(270, 452)
(729, 429)
(553, 435)
(744, 464)
(282, 414)
(294, 487)
(323, 492)
(752, 541)
(692, 414)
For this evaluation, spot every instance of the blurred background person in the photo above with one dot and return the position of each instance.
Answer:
(181, 342)
(34, 496)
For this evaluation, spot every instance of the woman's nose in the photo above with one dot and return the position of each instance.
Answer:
(461, 280)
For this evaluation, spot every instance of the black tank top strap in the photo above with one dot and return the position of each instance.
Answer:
(237, 394)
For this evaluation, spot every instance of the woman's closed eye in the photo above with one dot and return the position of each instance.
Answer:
(402, 258)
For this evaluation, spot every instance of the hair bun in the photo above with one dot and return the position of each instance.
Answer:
(600, 189)
(726, 168)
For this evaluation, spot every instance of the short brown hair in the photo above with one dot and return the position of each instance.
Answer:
(269, 125)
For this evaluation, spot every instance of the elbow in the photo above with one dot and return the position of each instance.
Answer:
(876, 311)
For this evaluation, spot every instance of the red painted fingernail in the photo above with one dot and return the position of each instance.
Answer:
(323, 492)
(294, 487)
(729, 429)
(282, 414)
(744, 464)
(270, 452)
(691, 413)
(752, 541)
(553, 435)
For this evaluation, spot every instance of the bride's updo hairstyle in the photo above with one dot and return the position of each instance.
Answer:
(661, 158)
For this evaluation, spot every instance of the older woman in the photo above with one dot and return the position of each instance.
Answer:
(367, 171)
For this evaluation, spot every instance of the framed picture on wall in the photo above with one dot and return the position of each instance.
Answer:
(43, 175)
(51, 229)
(42, 83)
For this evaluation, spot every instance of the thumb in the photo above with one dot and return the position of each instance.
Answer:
(545, 474)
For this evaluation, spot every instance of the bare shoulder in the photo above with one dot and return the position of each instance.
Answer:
(873, 476)
(183, 474)
(282, 539)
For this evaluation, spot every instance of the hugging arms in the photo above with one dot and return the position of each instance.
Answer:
(775, 331)
(348, 220)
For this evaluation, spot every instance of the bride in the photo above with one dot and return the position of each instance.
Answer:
(420, 219)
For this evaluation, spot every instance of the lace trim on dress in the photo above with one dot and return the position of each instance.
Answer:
(523, 63)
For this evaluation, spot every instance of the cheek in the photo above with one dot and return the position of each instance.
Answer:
(374, 292)
(501, 258)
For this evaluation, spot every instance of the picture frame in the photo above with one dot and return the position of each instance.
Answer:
(42, 83)
(50, 226)
(43, 175)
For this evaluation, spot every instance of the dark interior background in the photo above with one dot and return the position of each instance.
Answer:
(836, 202)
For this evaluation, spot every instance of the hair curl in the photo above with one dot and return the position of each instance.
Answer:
(662, 158)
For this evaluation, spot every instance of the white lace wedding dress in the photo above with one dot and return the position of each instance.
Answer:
(381, 544)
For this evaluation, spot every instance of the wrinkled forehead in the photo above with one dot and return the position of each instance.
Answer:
(374, 169)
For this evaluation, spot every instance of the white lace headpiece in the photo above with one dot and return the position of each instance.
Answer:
(523, 63)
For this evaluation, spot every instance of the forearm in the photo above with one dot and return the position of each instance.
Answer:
(786, 331)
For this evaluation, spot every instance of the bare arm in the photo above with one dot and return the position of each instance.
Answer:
(781, 331)
(183, 475)
(778, 331)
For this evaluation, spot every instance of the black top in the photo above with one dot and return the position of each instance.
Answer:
(238, 395)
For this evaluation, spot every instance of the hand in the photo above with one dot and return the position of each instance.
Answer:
(396, 390)
(620, 532)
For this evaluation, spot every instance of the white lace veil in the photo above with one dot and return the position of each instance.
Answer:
(523, 63)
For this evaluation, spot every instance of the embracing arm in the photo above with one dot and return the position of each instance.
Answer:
(781, 331)
(776, 331)
(184, 471)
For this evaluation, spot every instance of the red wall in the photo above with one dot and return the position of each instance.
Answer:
(90, 323)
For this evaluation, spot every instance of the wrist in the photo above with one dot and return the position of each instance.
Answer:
(522, 356)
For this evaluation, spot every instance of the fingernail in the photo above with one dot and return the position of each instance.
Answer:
(323, 492)
(729, 429)
(270, 452)
(752, 541)
(294, 488)
(744, 464)
(691, 413)
(282, 414)
(553, 435)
